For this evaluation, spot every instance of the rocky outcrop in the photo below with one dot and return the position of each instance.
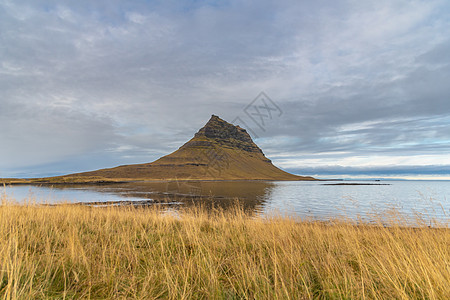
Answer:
(220, 132)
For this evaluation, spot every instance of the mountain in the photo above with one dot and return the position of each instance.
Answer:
(218, 151)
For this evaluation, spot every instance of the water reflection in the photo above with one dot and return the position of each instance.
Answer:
(251, 195)
(308, 200)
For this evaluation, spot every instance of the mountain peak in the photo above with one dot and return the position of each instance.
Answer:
(218, 129)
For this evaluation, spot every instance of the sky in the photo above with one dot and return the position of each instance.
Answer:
(325, 88)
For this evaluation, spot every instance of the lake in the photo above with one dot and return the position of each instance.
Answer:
(316, 200)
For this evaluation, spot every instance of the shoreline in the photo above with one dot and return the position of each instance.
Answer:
(103, 181)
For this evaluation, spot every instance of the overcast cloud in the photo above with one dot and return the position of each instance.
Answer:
(363, 86)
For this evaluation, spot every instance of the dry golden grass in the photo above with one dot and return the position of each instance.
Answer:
(81, 252)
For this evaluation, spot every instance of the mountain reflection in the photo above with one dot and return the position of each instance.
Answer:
(251, 195)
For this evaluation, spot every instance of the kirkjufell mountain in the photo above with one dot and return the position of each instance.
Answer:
(218, 151)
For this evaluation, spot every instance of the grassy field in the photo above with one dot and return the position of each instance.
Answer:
(82, 252)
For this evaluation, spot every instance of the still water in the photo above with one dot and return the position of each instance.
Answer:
(319, 200)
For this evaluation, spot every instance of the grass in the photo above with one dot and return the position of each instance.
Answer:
(68, 251)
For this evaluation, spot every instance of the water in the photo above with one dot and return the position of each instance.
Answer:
(306, 199)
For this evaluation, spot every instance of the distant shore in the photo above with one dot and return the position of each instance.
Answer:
(102, 180)
(352, 183)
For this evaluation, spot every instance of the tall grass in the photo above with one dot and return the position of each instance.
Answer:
(83, 252)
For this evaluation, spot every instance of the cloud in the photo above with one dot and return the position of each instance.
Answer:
(37, 135)
(130, 81)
